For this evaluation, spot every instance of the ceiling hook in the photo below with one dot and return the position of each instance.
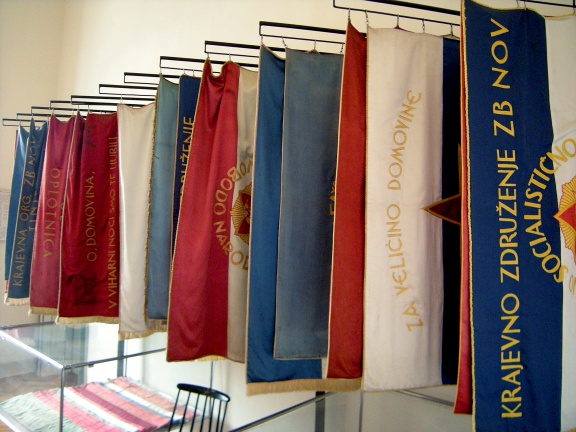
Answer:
(348, 14)
(367, 21)
(284, 43)
(423, 26)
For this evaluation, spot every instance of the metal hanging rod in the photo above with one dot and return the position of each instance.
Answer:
(75, 98)
(129, 76)
(127, 90)
(313, 29)
(59, 102)
(234, 47)
(34, 108)
(440, 10)
(40, 115)
(572, 6)
(9, 121)
(92, 103)
(418, 6)
(197, 60)
(398, 16)
(18, 115)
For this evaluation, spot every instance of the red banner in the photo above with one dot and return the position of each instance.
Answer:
(45, 274)
(90, 235)
(346, 300)
(207, 315)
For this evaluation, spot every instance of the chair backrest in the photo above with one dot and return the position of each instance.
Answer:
(209, 408)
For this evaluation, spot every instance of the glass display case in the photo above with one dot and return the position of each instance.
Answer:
(47, 358)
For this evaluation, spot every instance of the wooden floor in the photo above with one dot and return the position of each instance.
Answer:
(4, 428)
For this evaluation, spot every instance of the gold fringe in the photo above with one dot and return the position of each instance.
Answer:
(43, 311)
(328, 385)
(158, 325)
(86, 320)
(203, 359)
(8, 301)
(212, 358)
(135, 335)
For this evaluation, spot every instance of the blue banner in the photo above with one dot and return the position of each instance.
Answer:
(17, 174)
(261, 365)
(187, 99)
(518, 265)
(160, 225)
(310, 141)
(19, 280)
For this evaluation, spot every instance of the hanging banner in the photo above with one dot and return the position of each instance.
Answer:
(264, 373)
(45, 274)
(135, 142)
(404, 280)
(209, 275)
(17, 175)
(23, 245)
(159, 252)
(189, 87)
(521, 149)
(463, 401)
(310, 141)
(90, 255)
(347, 290)
(448, 209)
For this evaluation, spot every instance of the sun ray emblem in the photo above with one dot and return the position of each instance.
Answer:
(242, 212)
(567, 215)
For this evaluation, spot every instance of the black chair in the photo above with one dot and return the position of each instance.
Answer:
(204, 408)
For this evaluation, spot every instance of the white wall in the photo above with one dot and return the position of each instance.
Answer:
(30, 38)
(53, 49)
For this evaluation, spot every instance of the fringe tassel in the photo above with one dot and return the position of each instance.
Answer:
(158, 325)
(86, 320)
(8, 301)
(43, 311)
(328, 385)
(135, 335)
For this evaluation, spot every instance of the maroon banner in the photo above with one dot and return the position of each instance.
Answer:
(198, 312)
(463, 402)
(45, 273)
(347, 299)
(90, 235)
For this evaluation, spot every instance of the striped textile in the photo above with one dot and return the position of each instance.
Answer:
(120, 404)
